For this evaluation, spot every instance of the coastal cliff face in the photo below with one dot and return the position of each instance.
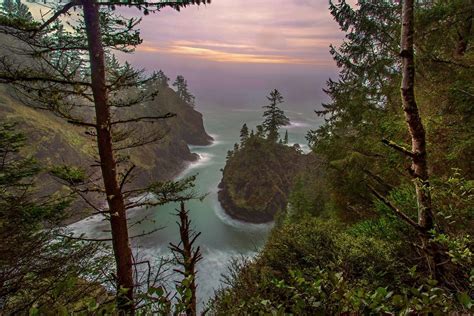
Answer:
(258, 178)
(52, 141)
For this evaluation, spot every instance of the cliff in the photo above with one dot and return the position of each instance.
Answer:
(53, 141)
(257, 179)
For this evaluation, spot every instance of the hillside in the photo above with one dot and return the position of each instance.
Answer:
(53, 141)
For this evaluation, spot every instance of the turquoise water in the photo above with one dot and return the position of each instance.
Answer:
(222, 238)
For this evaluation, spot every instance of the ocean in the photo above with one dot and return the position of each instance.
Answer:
(222, 238)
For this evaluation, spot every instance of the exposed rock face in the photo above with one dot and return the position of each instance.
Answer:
(53, 141)
(257, 180)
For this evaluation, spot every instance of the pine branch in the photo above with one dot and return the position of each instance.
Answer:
(395, 210)
(144, 118)
(126, 175)
(63, 10)
(399, 148)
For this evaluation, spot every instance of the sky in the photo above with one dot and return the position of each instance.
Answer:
(233, 53)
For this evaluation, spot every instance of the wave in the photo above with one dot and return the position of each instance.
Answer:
(244, 226)
(204, 159)
(297, 124)
(214, 265)
(246, 110)
(294, 112)
(214, 143)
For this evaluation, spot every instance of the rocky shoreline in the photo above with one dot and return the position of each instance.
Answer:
(257, 179)
(239, 213)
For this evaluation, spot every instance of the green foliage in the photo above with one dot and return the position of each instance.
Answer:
(257, 178)
(40, 269)
(70, 174)
(162, 79)
(244, 134)
(274, 117)
(182, 90)
(319, 267)
(14, 9)
(454, 198)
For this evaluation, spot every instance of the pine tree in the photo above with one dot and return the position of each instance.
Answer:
(260, 132)
(274, 117)
(16, 10)
(244, 134)
(32, 270)
(67, 71)
(285, 140)
(162, 79)
(182, 89)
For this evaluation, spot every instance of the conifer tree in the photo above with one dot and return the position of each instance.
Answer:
(274, 117)
(16, 9)
(285, 140)
(32, 270)
(260, 132)
(162, 79)
(244, 133)
(69, 70)
(182, 89)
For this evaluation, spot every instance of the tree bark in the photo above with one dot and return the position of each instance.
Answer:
(419, 167)
(465, 30)
(187, 257)
(108, 164)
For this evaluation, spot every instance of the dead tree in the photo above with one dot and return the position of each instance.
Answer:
(187, 257)
(418, 153)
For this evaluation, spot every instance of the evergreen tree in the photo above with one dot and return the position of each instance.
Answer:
(36, 261)
(182, 89)
(236, 147)
(65, 74)
(244, 134)
(162, 79)
(260, 132)
(274, 117)
(16, 10)
(285, 140)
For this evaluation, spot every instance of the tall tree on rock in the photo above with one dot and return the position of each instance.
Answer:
(59, 78)
(182, 89)
(274, 117)
(244, 133)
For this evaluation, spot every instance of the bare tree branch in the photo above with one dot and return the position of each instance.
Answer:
(395, 210)
(397, 147)
(56, 15)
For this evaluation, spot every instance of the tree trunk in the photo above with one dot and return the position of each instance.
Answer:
(419, 167)
(108, 165)
(465, 30)
(187, 257)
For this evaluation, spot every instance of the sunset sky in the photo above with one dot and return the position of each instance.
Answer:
(233, 54)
